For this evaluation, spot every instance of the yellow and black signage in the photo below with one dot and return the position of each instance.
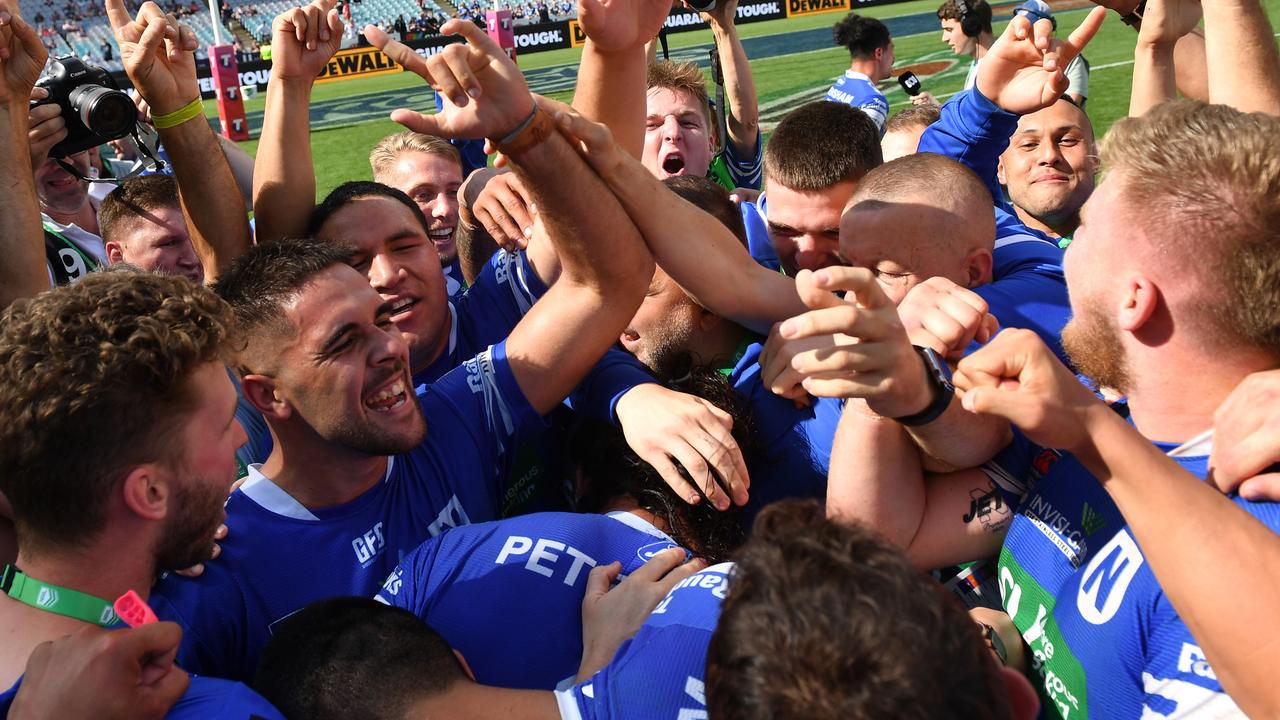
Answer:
(797, 8)
(577, 38)
(359, 62)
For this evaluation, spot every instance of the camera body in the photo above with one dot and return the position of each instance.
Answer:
(701, 5)
(93, 107)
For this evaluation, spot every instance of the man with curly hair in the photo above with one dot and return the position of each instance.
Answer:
(117, 450)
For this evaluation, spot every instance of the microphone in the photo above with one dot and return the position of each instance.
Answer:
(910, 83)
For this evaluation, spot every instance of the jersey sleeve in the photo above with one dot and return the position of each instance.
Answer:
(598, 395)
(491, 308)
(1033, 298)
(744, 172)
(406, 586)
(480, 407)
(758, 242)
(973, 131)
(657, 674)
(214, 616)
(876, 108)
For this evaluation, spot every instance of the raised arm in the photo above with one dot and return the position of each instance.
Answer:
(159, 57)
(1243, 61)
(1236, 557)
(1163, 24)
(22, 58)
(611, 76)
(284, 181)
(605, 266)
(715, 269)
(742, 116)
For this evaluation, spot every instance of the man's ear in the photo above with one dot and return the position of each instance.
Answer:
(1138, 303)
(260, 390)
(1000, 171)
(707, 320)
(463, 662)
(145, 491)
(979, 266)
(115, 253)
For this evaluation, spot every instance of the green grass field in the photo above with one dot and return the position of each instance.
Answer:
(783, 82)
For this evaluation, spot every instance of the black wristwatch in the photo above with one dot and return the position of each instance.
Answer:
(1134, 18)
(935, 371)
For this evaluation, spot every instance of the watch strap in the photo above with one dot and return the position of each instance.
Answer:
(943, 390)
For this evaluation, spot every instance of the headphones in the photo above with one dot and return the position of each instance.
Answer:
(970, 24)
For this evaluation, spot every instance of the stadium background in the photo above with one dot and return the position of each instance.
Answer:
(793, 61)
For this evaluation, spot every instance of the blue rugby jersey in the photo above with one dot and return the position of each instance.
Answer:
(857, 90)
(1104, 639)
(205, 699)
(1028, 289)
(796, 441)
(508, 594)
(659, 673)
(280, 556)
(755, 218)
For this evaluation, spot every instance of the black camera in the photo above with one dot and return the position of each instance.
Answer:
(702, 5)
(94, 108)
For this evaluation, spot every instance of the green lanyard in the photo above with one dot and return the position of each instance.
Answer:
(58, 600)
(89, 262)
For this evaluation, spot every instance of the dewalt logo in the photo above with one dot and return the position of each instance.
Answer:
(797, 8)
(364, 62)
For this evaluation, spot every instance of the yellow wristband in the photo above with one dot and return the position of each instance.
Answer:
(192, 110)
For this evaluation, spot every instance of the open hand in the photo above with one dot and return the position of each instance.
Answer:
(663, 427)
(158, 55)
(304, 39)
(1023, 70)
(610, 617)
(485, 96)
(22, 55)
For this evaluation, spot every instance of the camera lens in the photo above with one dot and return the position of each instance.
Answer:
(106, 112)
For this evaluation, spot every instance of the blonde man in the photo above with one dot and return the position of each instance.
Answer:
(429, 170)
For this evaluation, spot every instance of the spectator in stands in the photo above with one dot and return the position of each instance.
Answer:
(871, 52)
(903, 130)
(108, 51)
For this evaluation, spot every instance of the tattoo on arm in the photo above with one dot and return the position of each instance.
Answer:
(988, 507)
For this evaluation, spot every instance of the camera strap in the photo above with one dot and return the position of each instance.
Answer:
(147, 140)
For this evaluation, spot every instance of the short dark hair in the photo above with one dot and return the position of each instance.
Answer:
(828, 621)
(612, 469)
(913, 116)
(95, 378)
(820, 145)
(711, 198)
(354, 657)
(861, 35)
(259, 283)
(959, 10)
(133, 198)
(349, 192)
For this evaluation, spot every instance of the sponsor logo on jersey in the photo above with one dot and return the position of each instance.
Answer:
(647, 552)
(451, 516)
(1107, 578)
(1057, 528)
(368, 545)
(695, 690)
(1091, 520)
(1191, 660)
